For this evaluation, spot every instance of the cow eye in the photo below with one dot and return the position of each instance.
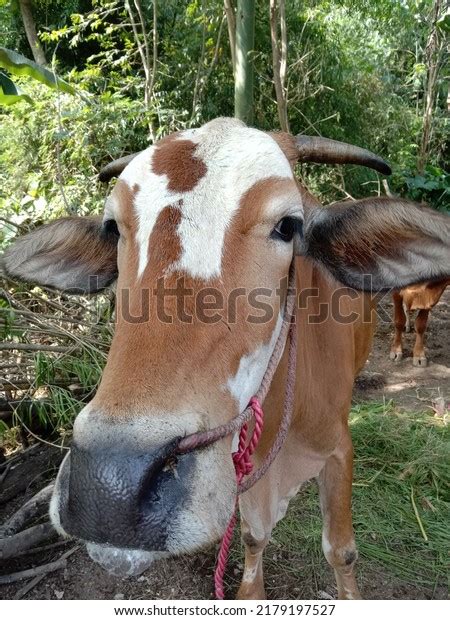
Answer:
(110, 228)
(286, 229)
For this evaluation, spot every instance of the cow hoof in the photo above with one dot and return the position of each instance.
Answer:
(420, 362)
(349, 596)
(251, 592)
(396, 356)
(252, 597)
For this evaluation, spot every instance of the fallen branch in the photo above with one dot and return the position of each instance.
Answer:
(24, 346)
(27, 587)
(33, 572)
(14, 386)
(20, 456)
(38, 573)
(27, 539)
(30, 509)
(5, 472)
(34, 550)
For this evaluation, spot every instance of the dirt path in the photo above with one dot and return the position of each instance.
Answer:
(184, 578)
(409, 387)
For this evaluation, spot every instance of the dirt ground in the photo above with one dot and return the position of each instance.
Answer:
(186, 578)
(409, 387)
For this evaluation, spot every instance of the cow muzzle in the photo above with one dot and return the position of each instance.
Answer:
(132, 506)
(123, 498)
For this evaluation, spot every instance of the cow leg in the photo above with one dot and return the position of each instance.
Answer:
(419, 358)
(396, 353)
(261, 508)
(408, 318)
(252, 585)
(338, 542)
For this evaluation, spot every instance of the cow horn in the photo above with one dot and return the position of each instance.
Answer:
(114, 168)
(326, 151)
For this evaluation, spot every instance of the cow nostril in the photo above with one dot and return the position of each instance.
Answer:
(171, 465)
(157, 479)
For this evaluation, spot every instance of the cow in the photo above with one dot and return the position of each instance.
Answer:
(421, 297)
(217, 211)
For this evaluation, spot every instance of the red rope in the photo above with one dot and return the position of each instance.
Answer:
(243, 466)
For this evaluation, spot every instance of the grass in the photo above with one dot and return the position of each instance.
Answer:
(400, 505)
(59, 408)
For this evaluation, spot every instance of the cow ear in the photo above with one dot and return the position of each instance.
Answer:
(72, 254)
(379, 243)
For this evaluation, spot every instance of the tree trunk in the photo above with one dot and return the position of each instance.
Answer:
(279, 59)
(231, 21)
(141, 38)
(30, 29)
(155, 44)
(245, 40)
(433, 59)
(143, 47)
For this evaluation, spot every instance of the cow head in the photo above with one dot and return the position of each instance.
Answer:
(197, 229)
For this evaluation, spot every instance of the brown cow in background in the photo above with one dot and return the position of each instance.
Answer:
(422, 297)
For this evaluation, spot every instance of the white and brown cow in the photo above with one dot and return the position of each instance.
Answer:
(218, 209)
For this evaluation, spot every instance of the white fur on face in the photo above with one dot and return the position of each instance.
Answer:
(152, 197)
(55, 500)
(245, 383)
(236, 157)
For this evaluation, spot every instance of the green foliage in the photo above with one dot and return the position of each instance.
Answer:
(56, 153)
(356, 72)
(432, 187)
(444, 22)
(9, 92)
(18, 65)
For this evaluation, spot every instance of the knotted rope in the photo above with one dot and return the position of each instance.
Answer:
(243, 466)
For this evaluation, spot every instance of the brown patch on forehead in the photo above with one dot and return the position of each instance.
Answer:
(176, 158)
(286, 142)
(164, 246)
(253, 203)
